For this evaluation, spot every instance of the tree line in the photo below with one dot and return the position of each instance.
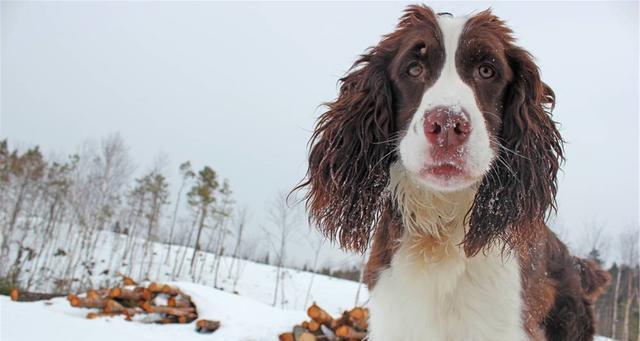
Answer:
(55, 213)
(618, 309)
(79, 222)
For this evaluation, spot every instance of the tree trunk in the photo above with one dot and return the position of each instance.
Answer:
(236, 248)
(173, 223)
(627, 306)
(637, 292)
(614, 320)
(184, 249)
(275, 292)
(198, 235)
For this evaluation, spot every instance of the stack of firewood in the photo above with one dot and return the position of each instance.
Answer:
(350, 326)
(155, 303)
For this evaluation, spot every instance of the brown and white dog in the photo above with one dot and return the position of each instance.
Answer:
(441, 146)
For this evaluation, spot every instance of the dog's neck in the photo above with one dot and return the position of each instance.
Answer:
(434, 222)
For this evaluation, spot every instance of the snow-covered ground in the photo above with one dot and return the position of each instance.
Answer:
(242, 318)
(248, 278)
(243, 303)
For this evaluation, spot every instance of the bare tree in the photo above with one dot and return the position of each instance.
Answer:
(223, 212)
(282, 219)
(628, 243)
(187, 174)
(616, 293)
(240, 220)
(157, 188)
(315, 242)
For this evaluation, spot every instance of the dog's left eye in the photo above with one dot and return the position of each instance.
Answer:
(415, 70)
(486, 71)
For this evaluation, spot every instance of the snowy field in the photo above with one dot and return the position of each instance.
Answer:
(243, 319)
(247, 278)
(243, 301)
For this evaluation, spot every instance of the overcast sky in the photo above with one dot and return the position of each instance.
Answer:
(238, 86)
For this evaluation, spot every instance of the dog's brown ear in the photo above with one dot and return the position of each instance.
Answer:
(514, 198)
(351, 147)
(350, 157)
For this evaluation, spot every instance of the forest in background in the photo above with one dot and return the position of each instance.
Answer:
(54, 213)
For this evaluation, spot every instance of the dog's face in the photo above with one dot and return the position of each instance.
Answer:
(457, 103)
(451, 80)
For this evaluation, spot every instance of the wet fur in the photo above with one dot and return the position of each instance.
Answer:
(356, 192)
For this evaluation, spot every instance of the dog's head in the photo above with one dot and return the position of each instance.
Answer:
(457, 104)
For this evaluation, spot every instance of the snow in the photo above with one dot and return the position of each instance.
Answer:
(242, 302)
(254, 280)
(242, 318)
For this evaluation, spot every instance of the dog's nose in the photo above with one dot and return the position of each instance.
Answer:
(446, 126)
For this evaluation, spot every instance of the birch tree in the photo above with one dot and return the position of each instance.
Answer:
(187, 174)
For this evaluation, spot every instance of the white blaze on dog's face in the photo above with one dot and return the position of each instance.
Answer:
(450, 139)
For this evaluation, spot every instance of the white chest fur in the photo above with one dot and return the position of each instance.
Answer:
(455, 298)
(432, 291)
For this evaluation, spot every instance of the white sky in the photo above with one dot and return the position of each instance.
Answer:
(238, 86)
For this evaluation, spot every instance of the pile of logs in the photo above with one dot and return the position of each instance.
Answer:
(155, 303)
(350, 326)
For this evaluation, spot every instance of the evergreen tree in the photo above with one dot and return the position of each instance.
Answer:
(202, 197)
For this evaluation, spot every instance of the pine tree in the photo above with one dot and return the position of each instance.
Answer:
(202, 198)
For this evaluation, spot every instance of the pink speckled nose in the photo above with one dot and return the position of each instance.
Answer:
(446, 127)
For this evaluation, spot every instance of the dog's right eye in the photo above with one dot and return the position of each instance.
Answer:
(415, 69)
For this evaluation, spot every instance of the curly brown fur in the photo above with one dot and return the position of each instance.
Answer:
(522, 188)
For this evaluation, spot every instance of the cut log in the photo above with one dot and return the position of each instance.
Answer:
(176, 302)
(25, 296)
(93, 295)
(171, 291)
(359, 318)
(313, 326)
(319, 315)
(113, 307)
(307, 337)
(163, 289)
(154, 287)
(207, 326)
(350, 333)
(149, 308)
(94, 315)
(359, 313)
(131, 295)
(166, 320)
(15, 294)
(81, 302)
